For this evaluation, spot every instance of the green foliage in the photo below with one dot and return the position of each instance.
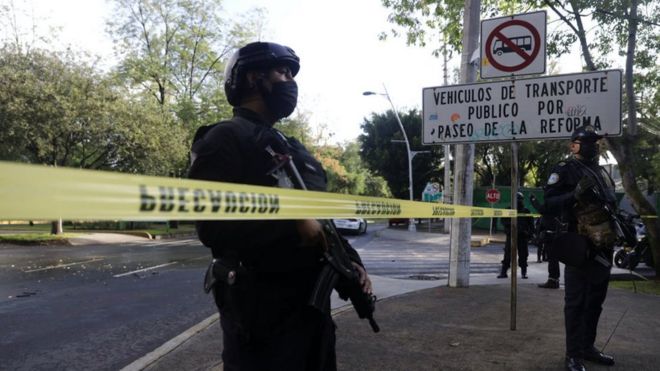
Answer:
(343, 166)
(427, 21)
(366, 182)
(648, 142)
(347, 173)
(493, 160)
(59, 111)
(174, 51)
(298, 127)
(153, 142)
(390, 159)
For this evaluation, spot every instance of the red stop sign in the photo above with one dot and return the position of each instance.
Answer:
(492, 195)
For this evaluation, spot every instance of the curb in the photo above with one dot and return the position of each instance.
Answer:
(173, 235)
(160, 352)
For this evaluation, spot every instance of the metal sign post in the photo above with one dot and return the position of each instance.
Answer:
(492, 196)
(514, 233)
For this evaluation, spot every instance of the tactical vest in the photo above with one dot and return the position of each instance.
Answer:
(594, 220)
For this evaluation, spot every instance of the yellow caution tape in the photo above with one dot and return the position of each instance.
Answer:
(29, 192)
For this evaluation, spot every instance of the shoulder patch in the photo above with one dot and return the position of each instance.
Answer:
(554, 178)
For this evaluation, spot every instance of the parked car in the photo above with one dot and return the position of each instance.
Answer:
(353, 225)
(397, 221)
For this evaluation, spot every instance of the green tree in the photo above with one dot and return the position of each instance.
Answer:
(59, 111)
(367, 183)
(344, 168)
(493, 161)
(427, 21)
(390, 160)
(298, 127)
(174, 50)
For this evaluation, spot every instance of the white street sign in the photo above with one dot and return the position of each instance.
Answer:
(513, 45)
(542, 108)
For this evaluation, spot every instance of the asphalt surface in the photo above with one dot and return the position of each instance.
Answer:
(426, 325)
(100, 306)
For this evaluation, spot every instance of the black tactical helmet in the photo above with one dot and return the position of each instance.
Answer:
(252, 56)
(585, 134)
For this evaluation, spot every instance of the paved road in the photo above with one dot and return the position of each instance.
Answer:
(419, 260)
(100, 306)
(97, 306)
(426, 256)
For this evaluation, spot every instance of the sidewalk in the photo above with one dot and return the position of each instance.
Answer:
(428, 326)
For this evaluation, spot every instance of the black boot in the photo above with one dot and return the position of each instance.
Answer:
(503, 272)
(523, 272)
(574, 364)
(551, 283)
(594, 355)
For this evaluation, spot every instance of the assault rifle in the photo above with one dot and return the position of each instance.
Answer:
(339, 272)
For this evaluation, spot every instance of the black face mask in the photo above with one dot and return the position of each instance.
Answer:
(588, 150)
(282, 99)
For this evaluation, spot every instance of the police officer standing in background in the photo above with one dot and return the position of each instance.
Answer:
(265, 270)
(581, 194)
(524, 231)
(547, 231)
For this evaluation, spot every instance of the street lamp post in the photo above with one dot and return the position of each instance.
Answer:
(411, 223)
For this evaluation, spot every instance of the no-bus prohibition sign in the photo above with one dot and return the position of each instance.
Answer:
(513, 45)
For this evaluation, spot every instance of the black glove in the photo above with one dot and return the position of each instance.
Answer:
(535, 202)
(584, 191)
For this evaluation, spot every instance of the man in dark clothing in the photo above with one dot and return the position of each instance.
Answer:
(547, 230)
(272, 266)
(524, 231)
(581, 194)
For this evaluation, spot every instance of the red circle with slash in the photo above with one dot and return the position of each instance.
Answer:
(527, 58)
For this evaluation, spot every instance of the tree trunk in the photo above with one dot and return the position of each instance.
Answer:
(622, 149)
(56, 227)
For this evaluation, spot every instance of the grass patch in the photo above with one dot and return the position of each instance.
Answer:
(36, 228)
(183, 228)
(36, 238)
(154, 229)
(643, 287)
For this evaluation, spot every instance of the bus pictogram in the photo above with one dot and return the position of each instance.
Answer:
(523, 42)
(513, 45)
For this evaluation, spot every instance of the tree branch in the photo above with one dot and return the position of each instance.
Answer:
(561, 15)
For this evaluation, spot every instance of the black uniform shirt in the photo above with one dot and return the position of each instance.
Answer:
(234, 151)
(559, 192)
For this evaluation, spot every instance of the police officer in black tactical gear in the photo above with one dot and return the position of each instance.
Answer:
(524, 231)
(547, 229)
(581, 193)
(265, 270)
